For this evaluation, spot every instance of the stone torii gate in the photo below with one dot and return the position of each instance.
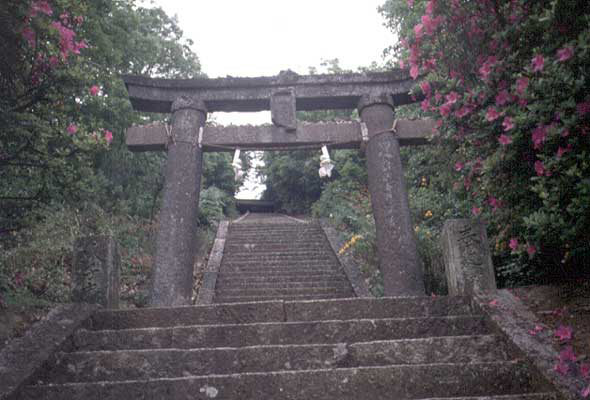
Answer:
(189, 100)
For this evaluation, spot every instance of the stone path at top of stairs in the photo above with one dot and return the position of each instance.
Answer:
(276, 257)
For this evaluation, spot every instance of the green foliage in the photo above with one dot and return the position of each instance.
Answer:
(214, 205)
(508, 81)
(62, 175)
(292, 179)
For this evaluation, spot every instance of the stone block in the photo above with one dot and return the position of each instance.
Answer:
(468, 262)
(96, 272)
(282, 109)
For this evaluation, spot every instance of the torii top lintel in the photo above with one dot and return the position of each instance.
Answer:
(312, 92)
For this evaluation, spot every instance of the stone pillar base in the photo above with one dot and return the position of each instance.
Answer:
(96, 272)
(468, 261)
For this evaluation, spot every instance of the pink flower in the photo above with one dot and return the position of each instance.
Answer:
(445, 109)
(585, 392)
(531, 249)
(538, 328)
(565, 133)
(485, 70)
(94, 90)
(411, 3)
(513, 244)
(567, 354)
(463, 111)
(40, 6)
(452, 97)
(430, 7)
(108, 136)
(459, 166)
(426, 89)
(476, 211)
(492, 114)
(564, 332)
(583, 108)
(425, 105)
(538, 63)
(585, 370)
(72, 129)
(565, 54)
(419, 31)
(502, 98)
(30, 36)
(521, 85)
(539, 168)
(562, 368)
(539, 136)
(414, 71)
(505, 139)
(560, 152)
(493, 202)
(507, 124)
(493, 303)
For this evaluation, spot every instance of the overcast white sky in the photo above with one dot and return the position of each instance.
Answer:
(263, 37)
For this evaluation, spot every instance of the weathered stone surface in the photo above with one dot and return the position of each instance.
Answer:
(467, 257)
(314, 92)
(282, 109)
(339, 135)
(114, 366)
(350, 269)
(513, 319)
(308, 332)
(207, 289)
(271, 311)
(23, 357)
(392, 307)
(399, 261)
(259, 247)
(175, 250)
(397, 382)
(96, 271)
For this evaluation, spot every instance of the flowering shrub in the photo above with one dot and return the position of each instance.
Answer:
(508, 84)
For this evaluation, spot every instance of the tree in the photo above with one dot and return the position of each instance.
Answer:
(65, 109)
(508, 83)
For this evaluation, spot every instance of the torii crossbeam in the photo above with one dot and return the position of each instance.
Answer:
(189, 101)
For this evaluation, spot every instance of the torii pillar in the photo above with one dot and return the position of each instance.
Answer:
(396, 244)
(172, 283)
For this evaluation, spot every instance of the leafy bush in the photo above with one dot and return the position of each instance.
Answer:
(508, 83)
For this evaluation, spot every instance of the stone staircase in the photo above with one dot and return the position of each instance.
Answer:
(270, 257)
(390, 348)
(283, 328)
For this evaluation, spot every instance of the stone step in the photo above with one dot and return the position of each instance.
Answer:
(274, 228)
(282, 275)
(275, 237)
(327, 278)
(275, 240)
(264, 270)
(285, 264)
(278, 258)
(295, 297)
(271, 333)
(284, 247)
(254, 285)
(276, 231)
(305, 291)
(390, 382)
(170, 363)
(277, 311)
(266, 253)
